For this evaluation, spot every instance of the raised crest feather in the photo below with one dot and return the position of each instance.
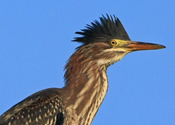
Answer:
(109, 27)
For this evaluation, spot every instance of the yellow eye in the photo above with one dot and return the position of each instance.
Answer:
(113, 42)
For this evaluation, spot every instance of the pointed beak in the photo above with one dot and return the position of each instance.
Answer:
(135, 46)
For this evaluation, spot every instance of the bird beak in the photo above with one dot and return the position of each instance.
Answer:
(135, 46)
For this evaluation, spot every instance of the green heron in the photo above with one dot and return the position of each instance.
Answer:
(104, 42)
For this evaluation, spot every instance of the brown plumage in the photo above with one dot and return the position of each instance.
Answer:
(86, 84)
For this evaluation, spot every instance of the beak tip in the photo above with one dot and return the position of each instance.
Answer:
(162, 47)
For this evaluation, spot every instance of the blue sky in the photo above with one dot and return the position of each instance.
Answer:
(35, 44)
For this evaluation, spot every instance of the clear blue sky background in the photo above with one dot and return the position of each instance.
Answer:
(35, 43)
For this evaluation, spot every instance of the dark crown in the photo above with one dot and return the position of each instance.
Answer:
(107, 28)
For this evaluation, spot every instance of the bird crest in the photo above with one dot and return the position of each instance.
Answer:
(107, 28)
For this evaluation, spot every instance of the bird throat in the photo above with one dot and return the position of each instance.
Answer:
(91, 88)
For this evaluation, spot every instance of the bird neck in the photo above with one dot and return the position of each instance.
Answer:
(86, 87)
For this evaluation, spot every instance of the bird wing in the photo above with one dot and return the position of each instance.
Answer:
(38, 109)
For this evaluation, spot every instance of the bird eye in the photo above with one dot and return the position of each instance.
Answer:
(113, 42)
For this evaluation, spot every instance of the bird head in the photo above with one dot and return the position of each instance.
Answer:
(107, 41)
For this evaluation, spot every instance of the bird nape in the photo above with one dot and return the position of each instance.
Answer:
(104, 42)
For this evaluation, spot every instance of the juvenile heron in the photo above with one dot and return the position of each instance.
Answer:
(104, 42)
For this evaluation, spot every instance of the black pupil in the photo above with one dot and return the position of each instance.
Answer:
(113, 42)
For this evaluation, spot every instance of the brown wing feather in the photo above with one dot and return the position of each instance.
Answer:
(40, 108)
